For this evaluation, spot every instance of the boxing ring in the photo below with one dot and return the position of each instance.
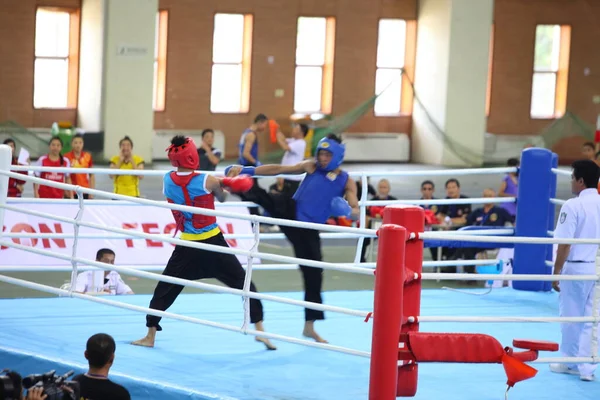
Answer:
(378, 336)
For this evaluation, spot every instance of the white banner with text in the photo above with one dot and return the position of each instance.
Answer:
(141, 218)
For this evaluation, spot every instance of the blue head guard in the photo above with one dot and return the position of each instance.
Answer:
(337, 151)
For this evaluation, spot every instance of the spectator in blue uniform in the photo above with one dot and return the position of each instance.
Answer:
(320, 195)
(488, 215)
(248, 150)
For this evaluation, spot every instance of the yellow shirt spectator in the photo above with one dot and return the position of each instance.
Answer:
(127, 185)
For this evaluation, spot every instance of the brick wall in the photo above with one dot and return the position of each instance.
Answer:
(514, 41)
(17, 39)
(189, 58)
(189, 61)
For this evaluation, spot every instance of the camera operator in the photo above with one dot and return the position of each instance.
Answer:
(95, 385)
(11, 388)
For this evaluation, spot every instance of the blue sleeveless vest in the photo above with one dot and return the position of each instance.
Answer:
(313, 197)
(253, 151)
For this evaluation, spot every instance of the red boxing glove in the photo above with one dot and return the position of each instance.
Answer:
(238, 184)
(430, 218)
(376, 210)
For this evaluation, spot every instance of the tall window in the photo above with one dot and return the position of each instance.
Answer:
(391, 49)
(488, 93)
(315, 47)
(56, 58)
(232, 51)
(160, 60)
(550, 71)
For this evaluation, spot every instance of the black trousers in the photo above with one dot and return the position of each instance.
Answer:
(306, 243)
(192, 264)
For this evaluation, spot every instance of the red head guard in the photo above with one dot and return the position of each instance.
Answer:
(185, 155)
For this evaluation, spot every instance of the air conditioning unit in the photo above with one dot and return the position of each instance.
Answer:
(376, 147)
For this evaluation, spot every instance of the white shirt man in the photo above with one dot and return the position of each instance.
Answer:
(102, 282)
(294, 154)
(579, 218)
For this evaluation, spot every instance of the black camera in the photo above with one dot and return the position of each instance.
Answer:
(10, 385)
(55, 387)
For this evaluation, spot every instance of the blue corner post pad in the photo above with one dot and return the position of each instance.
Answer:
(537, 184)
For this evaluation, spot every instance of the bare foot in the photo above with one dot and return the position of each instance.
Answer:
(259, 327)
(309, 332)
(266, 342)
(148, 340)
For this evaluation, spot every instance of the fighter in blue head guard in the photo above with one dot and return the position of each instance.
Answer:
(319, 197)
(337, 151)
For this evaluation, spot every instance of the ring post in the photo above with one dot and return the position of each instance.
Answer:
(413, 219)
(387, 310)
(533, 201)
(551, 222)
(5, 161)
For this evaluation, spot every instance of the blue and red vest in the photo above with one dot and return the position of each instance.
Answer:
(190, 190)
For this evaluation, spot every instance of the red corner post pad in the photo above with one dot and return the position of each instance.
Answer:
(473, 348)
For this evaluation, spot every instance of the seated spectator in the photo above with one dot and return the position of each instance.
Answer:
(209, 155)
(376, 212)
(453, 216)
(588, 151)
(54, 158)
(102, 282)
(370, 189)
(488, 215)
(510, 188)
(15, 186)
(95, 385)
(127, 185)
(427, 190)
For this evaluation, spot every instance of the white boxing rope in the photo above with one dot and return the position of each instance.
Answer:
(469, 200)
(203, 246)
(193, 210)
(427, 276)
(148, 172)
(563, 172)
(460, 237)
(194, 284)
(257, 267)
(361, 202)
(164, 314)
(421, 319)
(558, 202)
(263, 236)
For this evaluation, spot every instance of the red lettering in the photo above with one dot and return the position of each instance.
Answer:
(46, 242)
(24, 228)
(169, 230)
(229, 230)
(128, 225)
(3, 229)
(147, 228)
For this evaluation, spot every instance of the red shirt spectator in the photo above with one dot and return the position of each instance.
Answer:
(48, 192)
(15, 186)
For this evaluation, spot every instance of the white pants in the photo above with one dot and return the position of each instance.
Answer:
(575, 300)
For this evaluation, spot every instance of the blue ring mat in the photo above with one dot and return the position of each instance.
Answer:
(196, 362)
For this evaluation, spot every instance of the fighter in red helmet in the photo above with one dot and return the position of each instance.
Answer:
(196, 189)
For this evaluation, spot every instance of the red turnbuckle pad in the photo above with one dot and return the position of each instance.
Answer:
(539, 345)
